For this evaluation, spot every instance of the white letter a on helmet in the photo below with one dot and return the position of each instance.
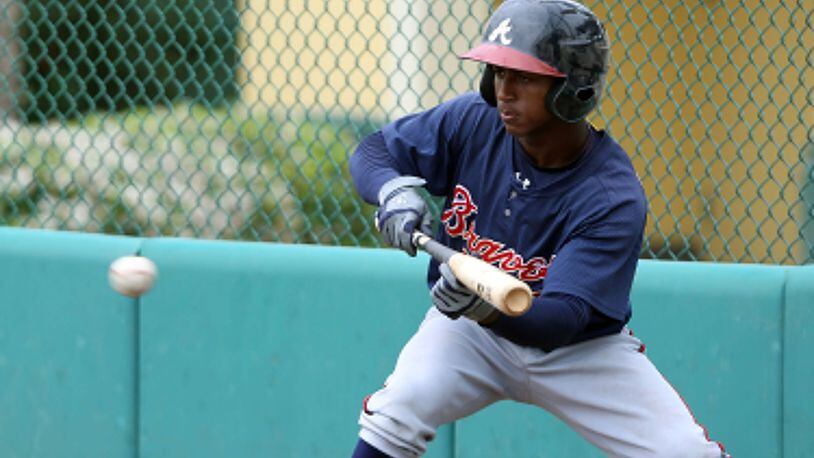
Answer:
(502, 30)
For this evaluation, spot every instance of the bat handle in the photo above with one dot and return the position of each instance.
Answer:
(438, 251)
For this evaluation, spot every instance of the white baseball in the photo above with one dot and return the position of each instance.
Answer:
(132, 275)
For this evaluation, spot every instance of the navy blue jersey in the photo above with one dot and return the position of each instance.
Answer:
(575, 231)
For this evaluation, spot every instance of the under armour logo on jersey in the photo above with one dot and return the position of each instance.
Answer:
(523, 181)
(502, 30)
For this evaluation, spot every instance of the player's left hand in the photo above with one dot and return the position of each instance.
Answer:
(454, 299)
(401, 211)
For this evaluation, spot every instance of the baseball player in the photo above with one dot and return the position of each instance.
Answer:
(534, 189)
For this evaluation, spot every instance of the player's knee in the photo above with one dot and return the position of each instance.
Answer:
(421, 396)
(401, 418)
(405, 401)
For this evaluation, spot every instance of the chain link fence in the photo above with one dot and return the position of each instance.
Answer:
(234, 120)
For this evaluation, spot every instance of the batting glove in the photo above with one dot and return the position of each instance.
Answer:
(454, 300)
(401, 211)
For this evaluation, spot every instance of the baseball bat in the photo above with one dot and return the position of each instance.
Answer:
(510, 295)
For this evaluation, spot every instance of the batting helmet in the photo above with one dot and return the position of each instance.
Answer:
(559, 38)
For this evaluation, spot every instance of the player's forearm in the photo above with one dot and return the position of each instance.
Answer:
(552, 321)
(371, 166)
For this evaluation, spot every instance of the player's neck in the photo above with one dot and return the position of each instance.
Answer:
(556, 145)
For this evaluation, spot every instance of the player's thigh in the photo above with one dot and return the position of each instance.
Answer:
(611, 393)
(449, 369)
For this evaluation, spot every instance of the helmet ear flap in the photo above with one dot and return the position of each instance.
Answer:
(569, 103)
(487, 85)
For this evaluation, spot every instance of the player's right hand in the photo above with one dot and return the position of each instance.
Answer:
(401, 211)
(454, 299)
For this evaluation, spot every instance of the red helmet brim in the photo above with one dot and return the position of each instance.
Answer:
(503, 56)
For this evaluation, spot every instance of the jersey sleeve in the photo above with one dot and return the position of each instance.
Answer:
(598, 263)
(429, 144)
(371, 166)
(553, 321)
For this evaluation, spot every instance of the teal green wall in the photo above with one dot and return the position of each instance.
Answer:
(798, 360)
(252, 348)
(67, 347)
(259, 350)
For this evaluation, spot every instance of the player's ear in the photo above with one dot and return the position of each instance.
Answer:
(487, 85)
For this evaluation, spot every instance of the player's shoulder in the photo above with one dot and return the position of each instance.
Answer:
(468, 116)
(467, 104)
(614, 163)
(617, 176)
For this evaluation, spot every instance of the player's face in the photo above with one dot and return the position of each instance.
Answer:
(521, 100)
